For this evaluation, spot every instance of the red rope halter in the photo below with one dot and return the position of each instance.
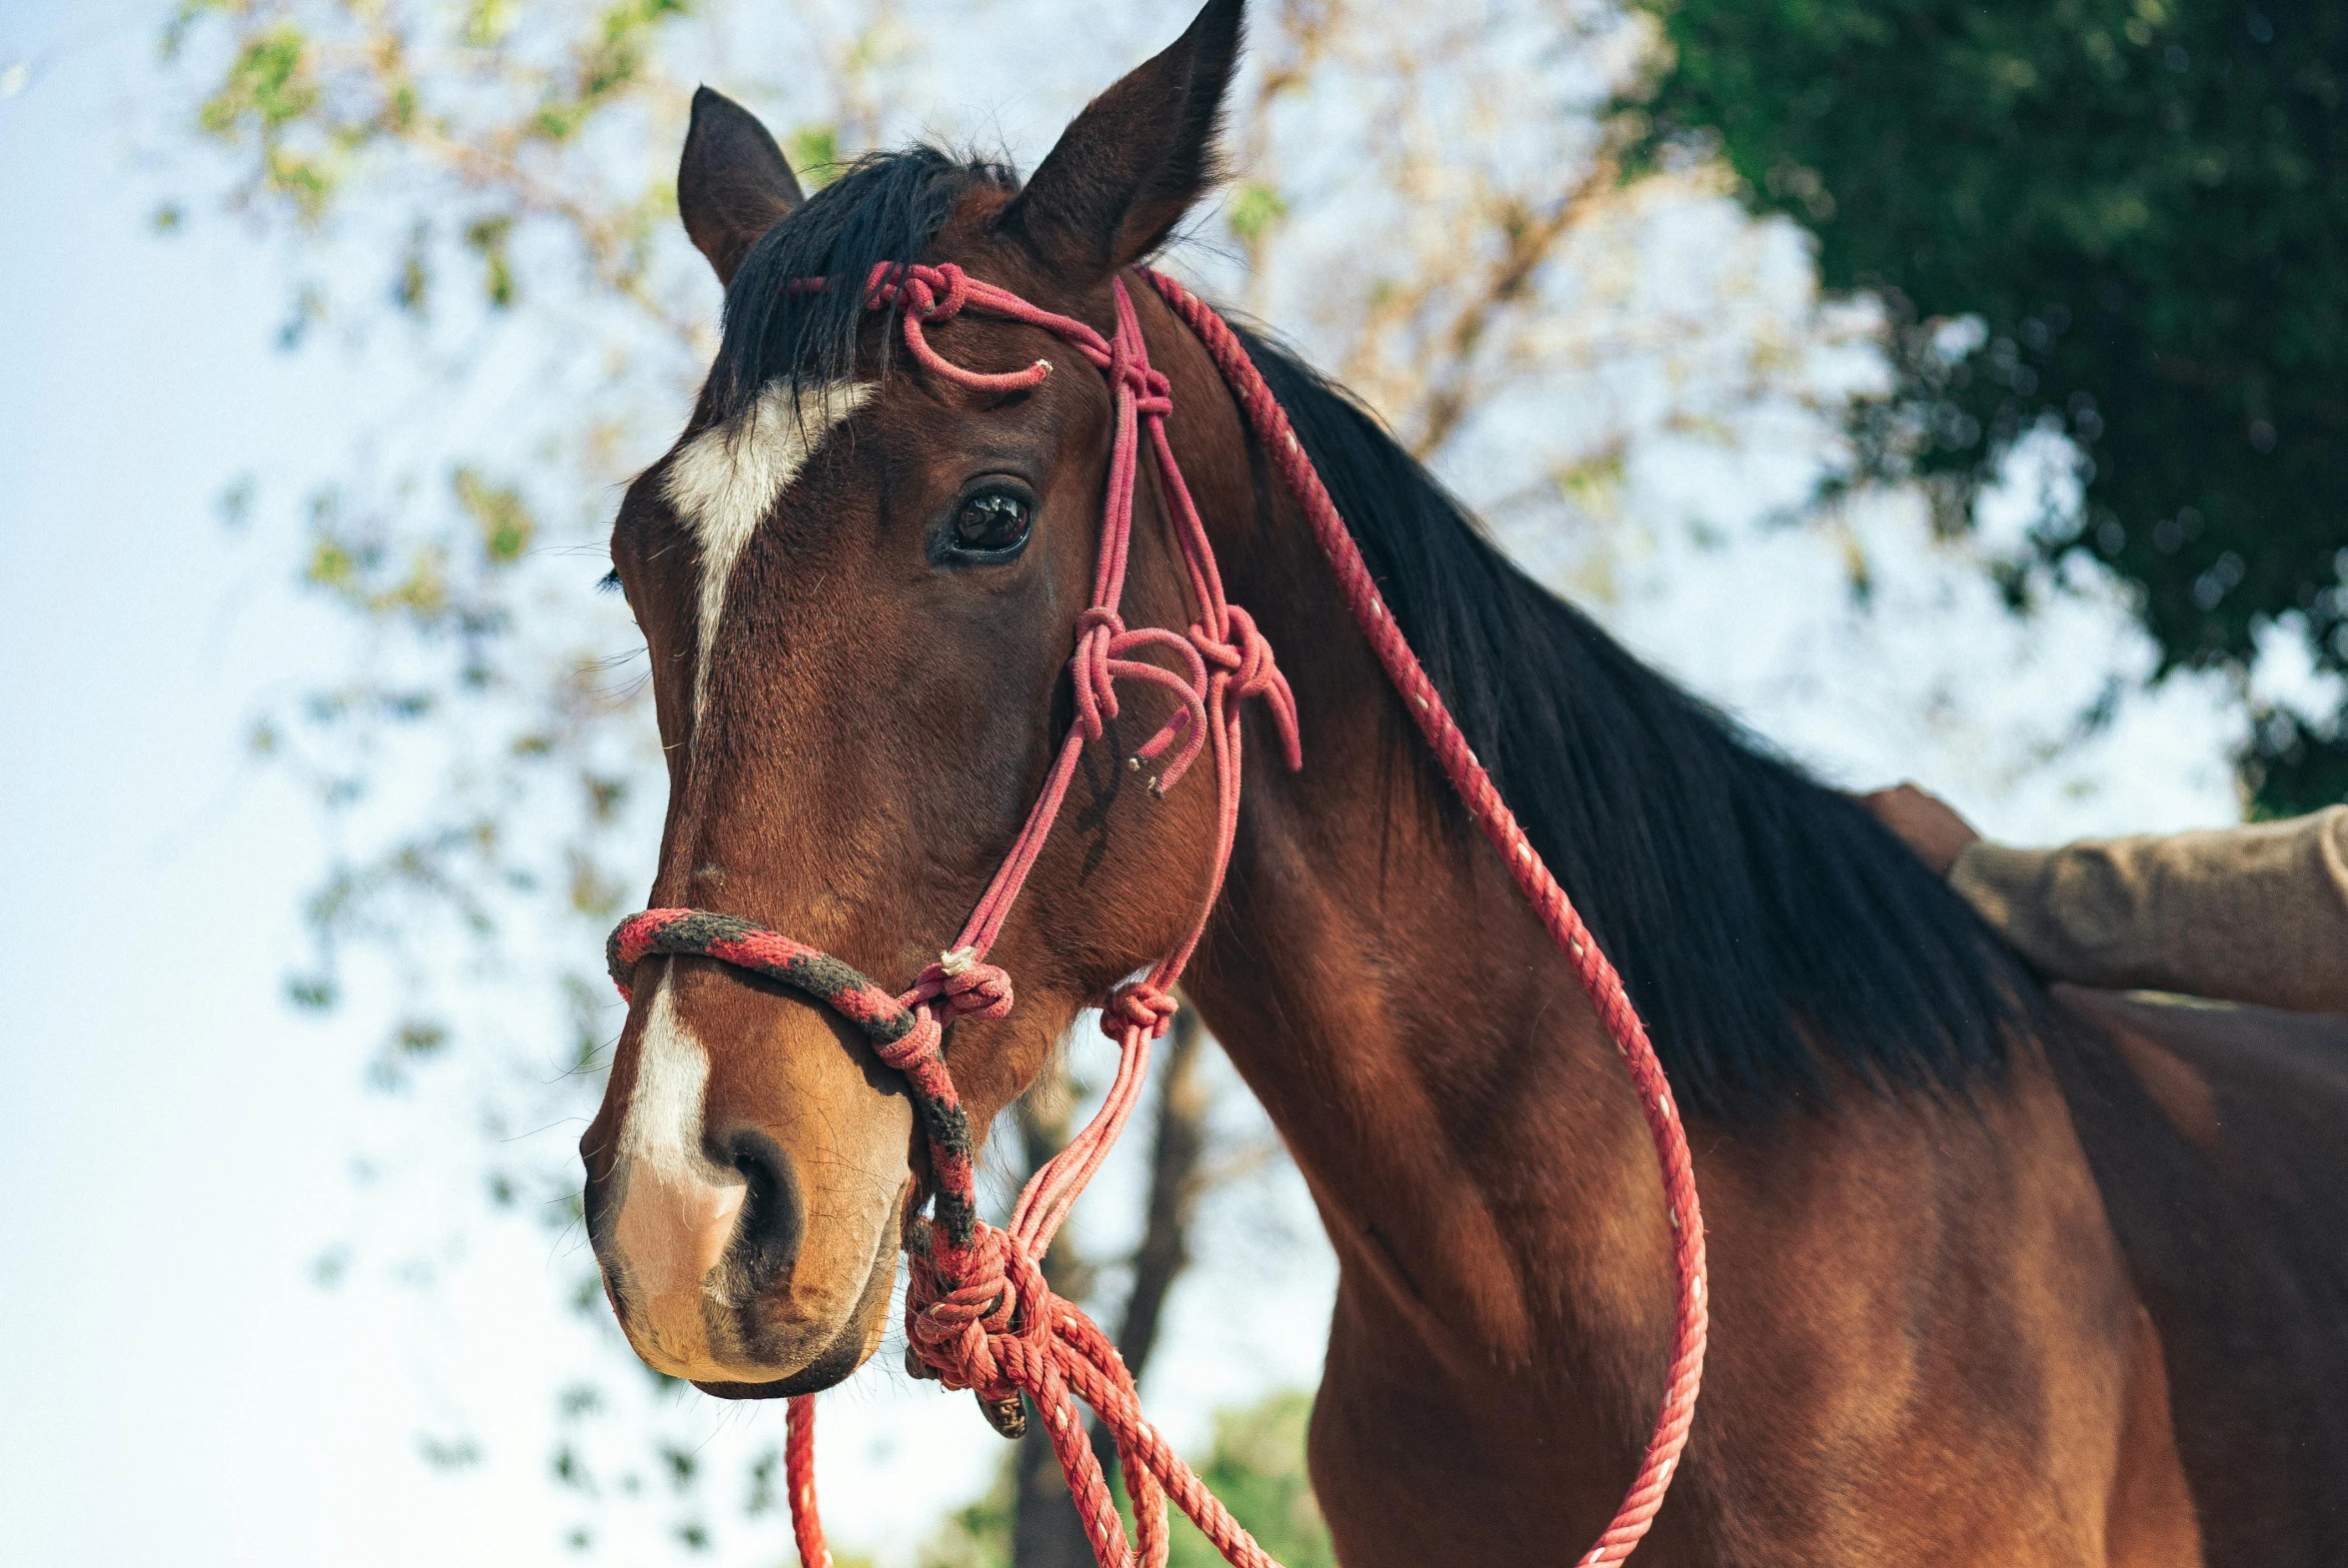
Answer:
(978, 1313)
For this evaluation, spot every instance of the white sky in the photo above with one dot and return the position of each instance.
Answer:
(174, 1145)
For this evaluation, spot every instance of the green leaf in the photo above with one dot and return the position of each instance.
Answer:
(491, 239)
(1255, 208)
(815, 155)
(267, 86)
(500, 514)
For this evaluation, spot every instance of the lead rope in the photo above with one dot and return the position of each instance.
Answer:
(978, 1313)
(1599, 977)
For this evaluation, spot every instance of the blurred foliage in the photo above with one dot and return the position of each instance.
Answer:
(2144, 203)
(1256, 1467)
(457, 179)
(316, 94)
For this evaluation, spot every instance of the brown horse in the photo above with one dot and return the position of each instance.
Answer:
(1992, 1281)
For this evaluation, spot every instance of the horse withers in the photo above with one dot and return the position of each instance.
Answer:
(1958, 1309)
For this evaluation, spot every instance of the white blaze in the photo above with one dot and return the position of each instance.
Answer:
(728, 479)
(678, 1210)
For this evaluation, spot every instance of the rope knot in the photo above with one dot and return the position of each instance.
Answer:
(1140, 1005)
(1253, 669)
(956, 1301)
(921, 290)
(1098, 632)
(1128, 366)
(922, 293)
(966, 985)
(1152, 392)
(1245, 660)
(977, 1316)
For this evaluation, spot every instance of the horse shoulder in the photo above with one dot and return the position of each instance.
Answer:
(2219, 1140)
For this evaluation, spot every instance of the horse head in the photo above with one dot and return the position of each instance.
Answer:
(860, 581)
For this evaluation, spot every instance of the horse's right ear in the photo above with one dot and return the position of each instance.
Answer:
(1126, 170)
(732, 183)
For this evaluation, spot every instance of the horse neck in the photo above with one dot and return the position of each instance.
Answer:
(1463, 1123)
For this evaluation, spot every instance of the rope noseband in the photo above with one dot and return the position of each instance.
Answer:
(978, 1312)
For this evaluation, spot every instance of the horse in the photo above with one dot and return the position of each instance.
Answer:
(2000, 1272)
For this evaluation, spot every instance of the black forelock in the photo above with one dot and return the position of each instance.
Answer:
(1769, 931)
(886, 207)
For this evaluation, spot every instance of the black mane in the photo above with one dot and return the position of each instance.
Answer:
(1745, 905)
(1769, 929)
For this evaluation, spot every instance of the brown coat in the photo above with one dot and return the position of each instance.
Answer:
(2255, 914)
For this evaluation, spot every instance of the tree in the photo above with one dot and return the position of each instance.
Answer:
(2143, 204)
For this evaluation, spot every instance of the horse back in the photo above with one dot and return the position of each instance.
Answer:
(2219, 1140)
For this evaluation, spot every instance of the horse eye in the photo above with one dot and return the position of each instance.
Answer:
(992, 523)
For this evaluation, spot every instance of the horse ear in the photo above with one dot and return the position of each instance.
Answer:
(733, 184)
(1129, 167)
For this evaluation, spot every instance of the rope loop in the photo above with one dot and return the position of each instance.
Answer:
(1140, 1005)
(922, 291)
(1105, 655)
(917, 1044)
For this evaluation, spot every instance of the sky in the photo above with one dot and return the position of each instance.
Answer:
(176, 1142)
(172, 1386)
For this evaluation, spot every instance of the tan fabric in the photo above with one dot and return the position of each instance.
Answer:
(2256, 914)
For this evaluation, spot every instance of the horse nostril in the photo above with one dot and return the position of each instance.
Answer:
(766, 1236)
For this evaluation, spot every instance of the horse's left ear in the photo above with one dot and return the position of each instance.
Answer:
(1129, 167)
